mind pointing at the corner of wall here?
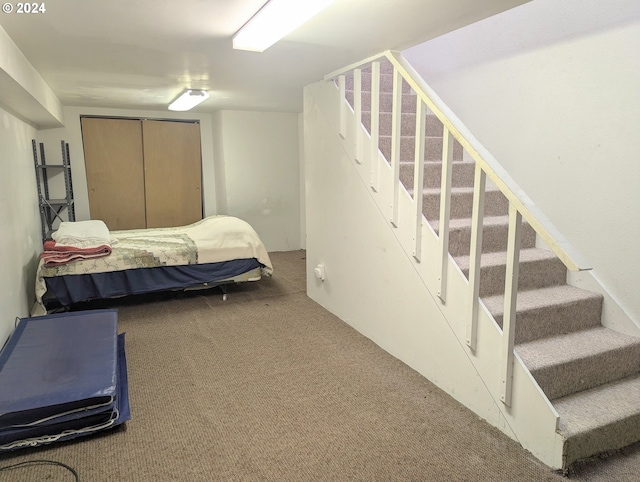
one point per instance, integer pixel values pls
(23, 91)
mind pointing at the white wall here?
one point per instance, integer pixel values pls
(261, 169)
(552, 90)
(20, 236)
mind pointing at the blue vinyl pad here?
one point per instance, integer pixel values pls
(62, 376)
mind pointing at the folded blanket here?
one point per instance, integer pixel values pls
(82, 234)
(56, 255)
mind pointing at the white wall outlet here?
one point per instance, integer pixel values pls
(318, 272)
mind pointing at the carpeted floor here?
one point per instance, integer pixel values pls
(269, 386)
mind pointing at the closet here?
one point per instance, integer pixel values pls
(143, 173)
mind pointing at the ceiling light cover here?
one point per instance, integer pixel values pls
(275, 20)
(189, 99)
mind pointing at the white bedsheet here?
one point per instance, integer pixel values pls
(82, 234)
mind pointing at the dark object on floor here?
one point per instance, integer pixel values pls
(62, 376)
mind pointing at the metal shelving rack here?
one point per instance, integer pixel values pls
(52, 208)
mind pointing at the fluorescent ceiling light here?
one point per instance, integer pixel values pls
(273, 21)
(189, 99)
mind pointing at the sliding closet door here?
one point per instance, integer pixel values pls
(115, 172)
(173, 173)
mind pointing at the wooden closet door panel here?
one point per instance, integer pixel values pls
(115, 171)
(173, 173)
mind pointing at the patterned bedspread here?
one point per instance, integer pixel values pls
(214, 239)
(141, 250)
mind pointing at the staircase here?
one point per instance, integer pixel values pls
(590, 374)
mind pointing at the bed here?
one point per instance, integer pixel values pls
(216, 251)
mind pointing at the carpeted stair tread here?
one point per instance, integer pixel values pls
(600, 419)
(466, 222)
(430, 191)
(462, 202)
(539, 268)
(549, 311)
(540, 298)
(603, 405)
(433, 127)
(385, 101)
(494, 234)
(565, 348)
(488, 221)
(577, 361)
(462, 175)
(500, 258)
(432, 148)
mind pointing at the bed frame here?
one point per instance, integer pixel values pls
(65, 291)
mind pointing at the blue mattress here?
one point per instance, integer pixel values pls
(62, 376)
(70, 289)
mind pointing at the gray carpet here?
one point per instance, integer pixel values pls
(270, 386)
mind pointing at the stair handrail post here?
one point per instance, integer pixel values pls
(510, 298)
(475, 255)
(418, 178)
(343, 107)
(396, 118)
(375, 125)
(445, 212)
(357, 110)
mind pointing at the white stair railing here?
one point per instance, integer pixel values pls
(521, 207)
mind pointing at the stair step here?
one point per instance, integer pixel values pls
(495, 204)
(550, 311)
(462, 174)
(580, 360)
(599, 420)
(432, 149)
(539, 268)
(494, 235)
(433, 126)
(409, 101)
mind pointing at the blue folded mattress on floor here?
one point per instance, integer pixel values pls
(62, 376)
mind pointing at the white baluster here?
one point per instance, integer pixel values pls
(475, 254)
(343, 106)
(445, 211)
(418, 177)
(375, 124)
(357, 109)
(510, 297)
(396, 114)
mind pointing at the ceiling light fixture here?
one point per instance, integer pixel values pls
(189, 99)
(273, 21)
